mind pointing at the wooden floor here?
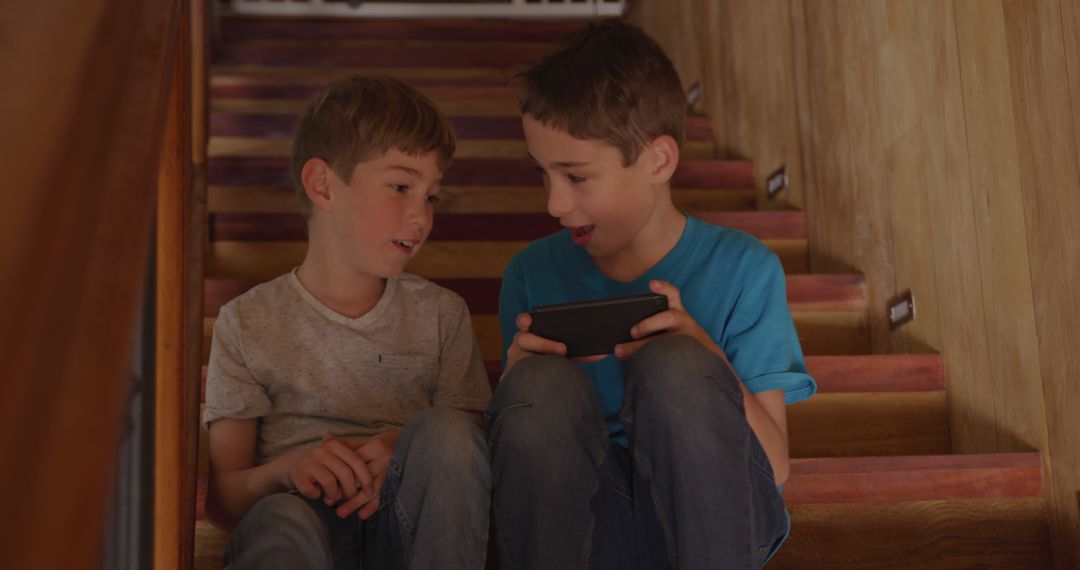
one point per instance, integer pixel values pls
(873, 484)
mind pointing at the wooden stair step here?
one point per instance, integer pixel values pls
(299, 86)
(947, 511)
(928, 535)
(863, 373)
(236, 28)
(698, 128)
(468, 199)
(481, 76)
(869, 424)
(437, 259)
(483, 227)
(820, 333)
(368, 53)
(903, 423)
(466, 148)
(274, 171)
(810, 292)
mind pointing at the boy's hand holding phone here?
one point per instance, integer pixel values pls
(585, 331)
(674, 321)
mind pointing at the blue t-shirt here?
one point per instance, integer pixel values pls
(730, 283)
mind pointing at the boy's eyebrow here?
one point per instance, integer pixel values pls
(412, 171)
(559, 164)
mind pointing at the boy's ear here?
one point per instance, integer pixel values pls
(316, 176)
(663, 155)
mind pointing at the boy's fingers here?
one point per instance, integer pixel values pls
(326, 481)
(372, 506)
(376, 448)
(658, 322)
(524, 321)
(532, 343)
(348, 455)
(342, 472)
(627, 349)
(378, 466)
(307, 487)
(674, 298)
(359, 500)
(369, 509)
(586, 359)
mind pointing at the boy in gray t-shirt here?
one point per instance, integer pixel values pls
(343, 399)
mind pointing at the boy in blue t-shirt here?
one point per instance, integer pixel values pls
(670, 452)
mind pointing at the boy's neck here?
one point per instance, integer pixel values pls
(656, 239)
(333, 284)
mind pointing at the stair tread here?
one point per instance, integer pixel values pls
(467, 199)
(275, 171)
(437, 260)
(804, 292)
(365, 53)
(698, 128)
(482, 226)
(236, 27)
(892, 479)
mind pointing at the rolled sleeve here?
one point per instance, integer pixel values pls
(231, 389)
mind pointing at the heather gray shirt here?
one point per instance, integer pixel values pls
(304, 370)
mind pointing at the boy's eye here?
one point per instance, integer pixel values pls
(433, 199)
(575, 179)
(399, 187)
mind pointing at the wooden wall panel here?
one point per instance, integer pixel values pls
(740, 52)
(1008, 359)
(672, 24)
(1050, 182)
(940, 144)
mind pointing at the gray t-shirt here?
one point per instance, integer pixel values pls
(304, 370)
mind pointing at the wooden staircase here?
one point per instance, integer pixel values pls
(873, 484)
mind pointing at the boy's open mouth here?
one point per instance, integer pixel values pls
(582, 234)
(405, 245)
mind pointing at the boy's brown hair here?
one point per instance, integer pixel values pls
(610, 82)
(358, 117)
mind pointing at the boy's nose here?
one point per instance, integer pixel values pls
(558, 203)
(419, 216)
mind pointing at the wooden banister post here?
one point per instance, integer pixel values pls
(179, 316)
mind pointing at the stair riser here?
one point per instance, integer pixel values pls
(467, 199)
(498, 30)
(377, 54)
(275, 171)
(281, 126)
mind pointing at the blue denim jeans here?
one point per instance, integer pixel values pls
(694, 490)
(434, 510)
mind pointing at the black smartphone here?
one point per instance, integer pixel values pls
(590, 328)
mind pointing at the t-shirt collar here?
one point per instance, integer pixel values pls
(359, 322)
(663, 268)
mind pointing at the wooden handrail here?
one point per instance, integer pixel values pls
(82, 122)
(180, 223)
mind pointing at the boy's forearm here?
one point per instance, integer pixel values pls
(238, 491)
(773, 440)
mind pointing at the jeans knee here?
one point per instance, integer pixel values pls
(285, 513)
(680, 375)
(446, 439)
(544, 403)
(540, 378)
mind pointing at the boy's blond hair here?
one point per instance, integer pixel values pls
(358, 117)
(610, 82)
